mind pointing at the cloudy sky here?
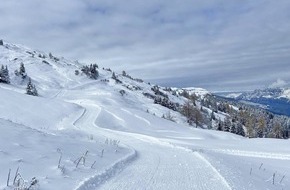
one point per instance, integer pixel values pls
(215, 44)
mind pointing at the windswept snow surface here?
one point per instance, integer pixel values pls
(173, 156)
(129, 145)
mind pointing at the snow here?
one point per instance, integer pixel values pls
(197, 91)
(233, 95)
(140, 149)
(286, 94)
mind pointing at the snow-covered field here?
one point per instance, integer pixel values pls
(86, 135)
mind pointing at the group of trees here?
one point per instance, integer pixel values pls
(221, 114)
(5, 78)
(124, 74)
(157, 91)
(53, 57)
(261, 123)
(165, 102)
(245, 120)
(116, 78)
(90, 70)
(192, 113)
(21, 72)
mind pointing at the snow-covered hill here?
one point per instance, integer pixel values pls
(117, 133)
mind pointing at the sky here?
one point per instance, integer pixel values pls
(219, 45)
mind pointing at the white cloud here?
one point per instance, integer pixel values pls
(278, 84)
(194, 42)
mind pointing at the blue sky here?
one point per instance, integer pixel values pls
(215, 44)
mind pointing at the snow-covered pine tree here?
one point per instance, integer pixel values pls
(50, 55)
(227, 124)
(94, 74)
(233, 128)
(34, 91)
(22, 71)
(4, 74)
(240, 129)
(1, 43)
(114, 76)
(31, 89)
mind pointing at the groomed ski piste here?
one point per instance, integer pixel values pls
(82, 134)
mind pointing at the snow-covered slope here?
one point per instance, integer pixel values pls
(103, 134)
(198, 91)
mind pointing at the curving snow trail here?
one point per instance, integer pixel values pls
(159, 165)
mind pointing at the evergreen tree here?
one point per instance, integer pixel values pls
(94, 74)
(114, 76)
(227, 124)
(22, 71)
(90, 70)
(185, 94)
(220, 126)
(50, 55)
(1, 43)
(233, 128)
(31, 89)
(34, 91)
(4, 75)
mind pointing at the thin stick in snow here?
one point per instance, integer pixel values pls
(8, 177)
(60, 157)
(83, 158)
(282, 179)
(261, 166)
(16, 174)
(59, 161)
(274, 178)
(251, 171)
(93, 164)
(79, 161)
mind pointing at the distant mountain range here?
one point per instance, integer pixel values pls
(276, 100)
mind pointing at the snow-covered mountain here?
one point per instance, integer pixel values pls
(271, 93)
(91, 128)
(276, 100)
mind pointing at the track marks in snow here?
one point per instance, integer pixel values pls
(159, 164)
(211, 167)
(115, 116)
(269, 155)
(100, 178)
(137, 116)
(81, 116)
(163, 167)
